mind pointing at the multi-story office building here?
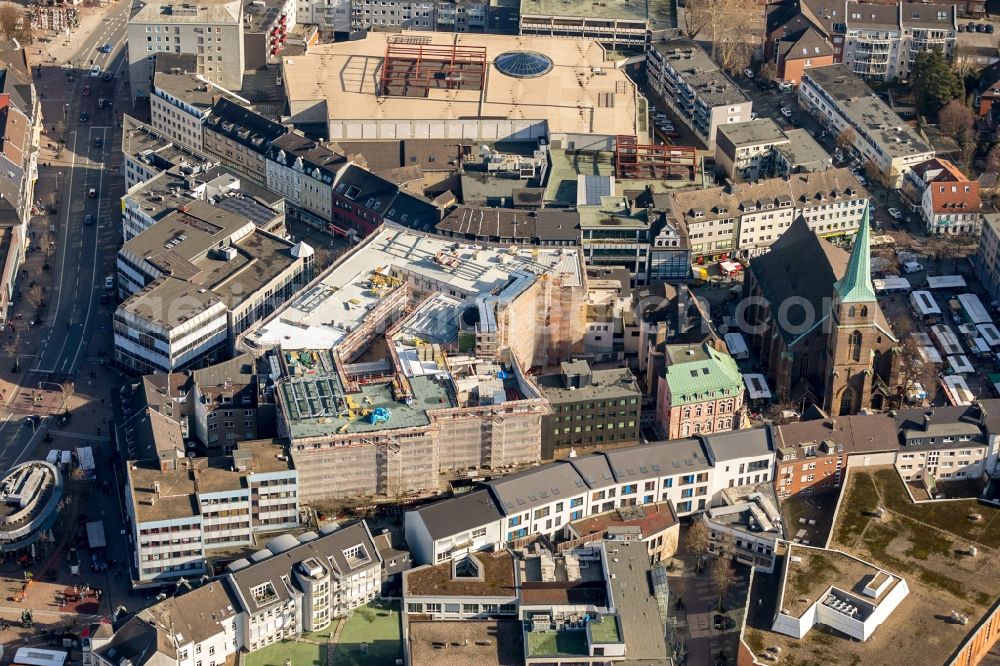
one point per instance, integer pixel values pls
(612, 234)
(746, 525)
(883, 40)
(689, 473)
(750, 151)
(745, 219)
(686, 78)
(239, 138)
(987, 258)
(179, 102)
(147, 152)
(701, 392)
(589, 407)
(211, 30)
(947, 199)
(197, 279)
(180, 509)
(616, 24)
(840, 100)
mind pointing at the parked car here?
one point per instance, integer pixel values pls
(753, 115)
(971, 26)
(989, 28)
(981, 27)
(896, 213)
(748, 73)
(961, 28)
(98, 142)
(109, 282)
(912, 267)
(785, 86)
(786, 112)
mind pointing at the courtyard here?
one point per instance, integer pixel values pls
(371, 636)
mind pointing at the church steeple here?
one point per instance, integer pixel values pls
(856, 284)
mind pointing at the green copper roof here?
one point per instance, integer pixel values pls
(709, 374)
(856, 284)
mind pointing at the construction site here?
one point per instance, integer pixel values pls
(410, 357)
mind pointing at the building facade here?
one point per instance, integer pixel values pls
(947, 200)
(589, 407)
(211, 31)
(239, 138)
(883, 40)
(701, 392)
(746, 219)
(840, 100)
(683, 75)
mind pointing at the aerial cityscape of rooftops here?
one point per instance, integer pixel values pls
(500, 332)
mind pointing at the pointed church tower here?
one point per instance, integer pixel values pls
(852, 337)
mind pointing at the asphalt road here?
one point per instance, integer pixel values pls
(84, 254)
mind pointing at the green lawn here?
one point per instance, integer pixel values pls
(380, 628)
(300, 654)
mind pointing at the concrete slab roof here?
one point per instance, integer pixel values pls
(345, 77)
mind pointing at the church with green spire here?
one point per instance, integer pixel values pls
(816, 325)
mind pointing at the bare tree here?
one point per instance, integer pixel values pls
(955, 119)
(964, 60)
(10, 19)
(36, 296)
(723, 576)
(697, 540)
(967, 142)
(846, 139)
(993, 159)
(729, 26)
(769, 71)
(914, 372)
(11, 346)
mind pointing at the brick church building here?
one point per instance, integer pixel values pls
(816, 325)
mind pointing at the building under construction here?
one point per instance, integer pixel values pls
(407, 359)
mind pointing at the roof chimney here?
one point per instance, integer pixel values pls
(927, 420)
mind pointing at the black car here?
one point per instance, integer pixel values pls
(989, 28)
(84, 117)
(98, 142)
(88, 220)
(108, 76)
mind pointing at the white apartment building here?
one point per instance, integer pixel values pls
(840, 100)
(291, 586)
(179, 101)
(946, 443)
(181, 310)
(690, 473)
(194, 505)
(297, 585)
(199, 627)
(148, 152)
(210, 30)
(882, 41)
(686, 78)
(746, 218)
